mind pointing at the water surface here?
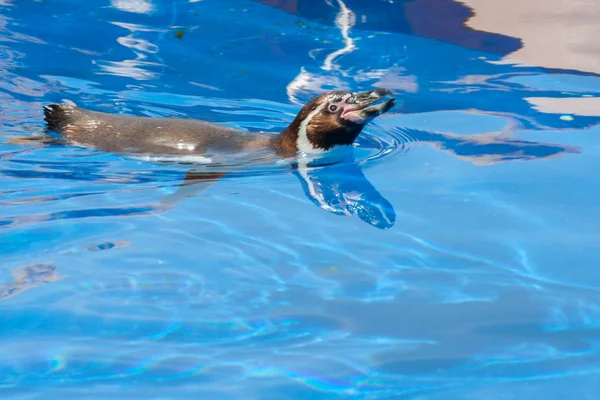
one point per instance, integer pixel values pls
(454, 258)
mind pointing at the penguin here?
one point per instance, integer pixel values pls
(331, 120)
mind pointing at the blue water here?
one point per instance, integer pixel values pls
(456, 258)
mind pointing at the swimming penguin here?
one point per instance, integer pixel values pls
(330, 120)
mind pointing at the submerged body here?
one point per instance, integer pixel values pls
(330, 120)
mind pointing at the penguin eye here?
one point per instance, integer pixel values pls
(333, 108)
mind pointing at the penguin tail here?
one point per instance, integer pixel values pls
(58, 117)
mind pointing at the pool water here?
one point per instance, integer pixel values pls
(454, 257)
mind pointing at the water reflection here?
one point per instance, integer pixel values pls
(139, 68)
(442, 20)
(27, 277)
(488, 148)
(340, 188)
(343, 189)
(567, 107)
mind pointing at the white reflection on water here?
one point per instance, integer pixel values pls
(138, 68)
(305, 80)
(345, 20)
(134, 6)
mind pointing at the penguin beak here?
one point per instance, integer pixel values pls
(358, 104)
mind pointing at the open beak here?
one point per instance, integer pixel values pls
(370, 104)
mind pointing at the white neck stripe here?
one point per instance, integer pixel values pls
(302, 143)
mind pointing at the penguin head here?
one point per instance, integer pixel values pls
(336, 118)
